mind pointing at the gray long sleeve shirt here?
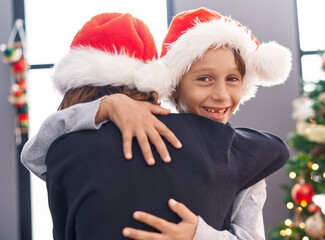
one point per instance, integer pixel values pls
(247, 217)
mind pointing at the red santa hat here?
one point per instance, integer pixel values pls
(107, 50)
(193, 32)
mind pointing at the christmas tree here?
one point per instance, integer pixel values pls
(305, 195)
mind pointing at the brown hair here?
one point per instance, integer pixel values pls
(91, 93)
(239, 61)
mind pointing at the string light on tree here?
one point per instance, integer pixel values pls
(288, 231)
(290, 205)
(303, 203)
(292, 175)
(302, 225)
(288, 222)
(283, 233)
(315, 167)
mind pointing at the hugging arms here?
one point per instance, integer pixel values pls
(246, 218)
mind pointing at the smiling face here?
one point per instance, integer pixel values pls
(212, 86)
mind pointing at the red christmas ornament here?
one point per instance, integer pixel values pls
(302, 192)
(312, 208)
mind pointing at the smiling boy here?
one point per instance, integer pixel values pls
(212, 86)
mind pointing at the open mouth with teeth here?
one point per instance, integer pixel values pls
(216, 111)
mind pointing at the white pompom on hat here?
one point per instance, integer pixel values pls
(193, 32)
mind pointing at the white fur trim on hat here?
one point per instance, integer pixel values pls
(155, 76)
(266, 65)
(88, 66)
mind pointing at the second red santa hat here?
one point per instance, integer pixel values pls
(107, 50)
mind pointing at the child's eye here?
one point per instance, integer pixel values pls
(233, 79)
(203, 79)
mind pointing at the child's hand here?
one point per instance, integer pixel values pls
(136, 119)
(184, 230)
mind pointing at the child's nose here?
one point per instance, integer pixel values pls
(219, 92)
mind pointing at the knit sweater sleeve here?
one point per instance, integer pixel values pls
(247, 217)
(75, 118)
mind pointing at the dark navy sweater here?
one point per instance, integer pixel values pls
(93, 190)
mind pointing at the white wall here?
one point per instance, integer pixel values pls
(271, 109)
(8, 160)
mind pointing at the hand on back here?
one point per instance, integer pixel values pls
(136, 119)
(184, 230)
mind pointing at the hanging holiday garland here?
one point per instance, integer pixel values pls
(13, 53)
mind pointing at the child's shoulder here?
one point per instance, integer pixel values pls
(263, 140)
(254, 134)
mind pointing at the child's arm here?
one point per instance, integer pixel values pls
(77, 117)
(247, 217)
(134, 118)
(247, 221)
